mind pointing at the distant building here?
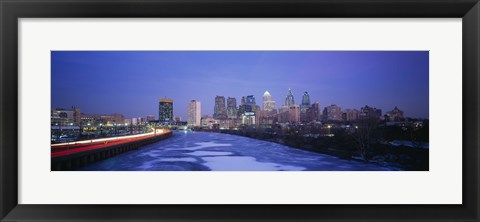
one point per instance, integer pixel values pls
(351, 115)
(150, 118)
(304, 107)
(370, 112)
(177, 118)
(250, 106)
(71, 116)
(241, 108)
(194, 113)
(294, 114)
(332, 113)
(268, 103)
(266, 117)
(165, 110)
(283, 114)
(395, 115)
(104, 119)
(220, 112)
(289, 100)
(232, 108)
(314, 113)
(208, 122)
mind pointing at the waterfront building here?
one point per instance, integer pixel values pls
(208, 122)
(165, 110)
(219, 110)
(268, 103)
(105, 119)
(248, 120)
(232, 108)
(370, 112)
(194, 113)
(332, 113)
(289, 100)
(61, 116)
(395, 115)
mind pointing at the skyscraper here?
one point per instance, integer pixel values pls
(250, 105)
(268, 103)
(220, 112)
(241, 108)
(289, 101)
(304, 107)
(194, 113)
(165, 110)
(231, 108)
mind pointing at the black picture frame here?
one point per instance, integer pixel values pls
(12, 10)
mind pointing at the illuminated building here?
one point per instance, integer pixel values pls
(304, 107)
(268, 103)
(150, 118)
(351, 114)
(395, 115)
(250, 106)
(194, 113)
(241, 108)
(314, 113)
(165, 110)
(289, 100)
(220, 111)
(66, 116)
(370, 112)
(232, 108)
(332, 113)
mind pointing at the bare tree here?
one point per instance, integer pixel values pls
(365, 134)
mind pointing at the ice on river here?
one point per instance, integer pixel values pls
(194, 151)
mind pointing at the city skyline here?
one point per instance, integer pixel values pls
(383, 79)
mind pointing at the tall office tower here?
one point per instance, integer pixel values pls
(314, 113)
(219, 111)
(241, 108)
(250, 105)
(304, 107)
(268, 103)
(305, 102)
(231, 108)
(165, 110)
(194, 113)
(289, 101)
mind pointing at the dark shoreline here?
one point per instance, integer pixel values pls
(403, 157)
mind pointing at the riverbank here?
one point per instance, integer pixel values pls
(340, 146)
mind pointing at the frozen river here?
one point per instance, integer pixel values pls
(215, 151)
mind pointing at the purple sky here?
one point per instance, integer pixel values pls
(132, 82)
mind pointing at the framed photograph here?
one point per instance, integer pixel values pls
(207, 110)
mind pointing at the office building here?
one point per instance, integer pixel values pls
(194, 113)
(165, 110)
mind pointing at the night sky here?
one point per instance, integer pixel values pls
(132, 82)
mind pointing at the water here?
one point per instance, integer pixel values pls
(193, 151)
